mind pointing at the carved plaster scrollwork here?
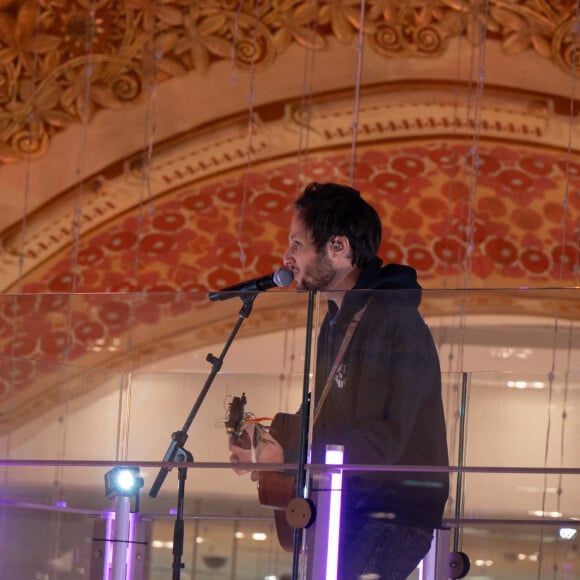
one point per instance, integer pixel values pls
(61, 61)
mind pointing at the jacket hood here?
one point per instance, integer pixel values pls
(390, 277)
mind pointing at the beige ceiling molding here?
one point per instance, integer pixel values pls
(392, 112)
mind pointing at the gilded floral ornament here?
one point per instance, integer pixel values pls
(63, 60)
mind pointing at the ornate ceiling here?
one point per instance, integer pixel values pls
(157, 146)
(62, 61)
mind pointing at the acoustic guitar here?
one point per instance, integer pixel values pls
(276, 489)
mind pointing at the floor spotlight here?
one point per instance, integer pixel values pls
(123, 482)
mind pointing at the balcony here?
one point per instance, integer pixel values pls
(93, 381)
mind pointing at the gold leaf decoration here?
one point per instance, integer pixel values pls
(54, 40)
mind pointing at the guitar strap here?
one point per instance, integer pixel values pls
(339, 356)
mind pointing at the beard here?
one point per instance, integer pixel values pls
(317, 275)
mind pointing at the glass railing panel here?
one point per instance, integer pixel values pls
(41, 540)
(70, 532)
(520, 549)
(521, 431)
(257, 392)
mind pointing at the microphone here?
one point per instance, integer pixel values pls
(282, 277)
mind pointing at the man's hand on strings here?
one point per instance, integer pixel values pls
(263, 448)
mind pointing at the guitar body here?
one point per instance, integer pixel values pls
(284, 531)
(276, 489)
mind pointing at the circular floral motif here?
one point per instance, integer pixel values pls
(420, 258)
(535, 261)
(449, 250)
(64, 282)
(232, 256)
(18, 305)
(169, 222)
(54, 343)
(220, 278)
(115, 315)
(484, 163)
(410, 166)
(569, 168)
(232, 193)
(90, 256)
(536, 166)
(389, 183)
(157, 243)
(121, 241)
(514, 180)
(21, 345)
(17, 370)
(501, 251)
(270, 202)
(318, 170)
(392, 252)
(89, 331)
(198, 201)
(565, 255)
(444, 158)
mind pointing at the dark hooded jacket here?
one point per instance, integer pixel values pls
(385, 405)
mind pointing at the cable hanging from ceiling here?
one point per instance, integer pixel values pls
(304, 114)
(357, 88)
(251, 120)
(552, 375)
(455, 355)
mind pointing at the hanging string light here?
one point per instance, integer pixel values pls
(556, 328)
(251, 97)
(305, 111)
(151, 58)
(359, 62)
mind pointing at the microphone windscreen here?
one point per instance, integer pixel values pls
(283, 277)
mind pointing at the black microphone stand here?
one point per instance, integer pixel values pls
(176, 451)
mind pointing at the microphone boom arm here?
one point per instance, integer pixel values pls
(180, 437)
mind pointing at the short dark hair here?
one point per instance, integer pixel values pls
(330, 209)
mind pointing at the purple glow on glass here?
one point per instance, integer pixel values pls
(334, 456)
(60, 503)
(133, 518)
(108, 557)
